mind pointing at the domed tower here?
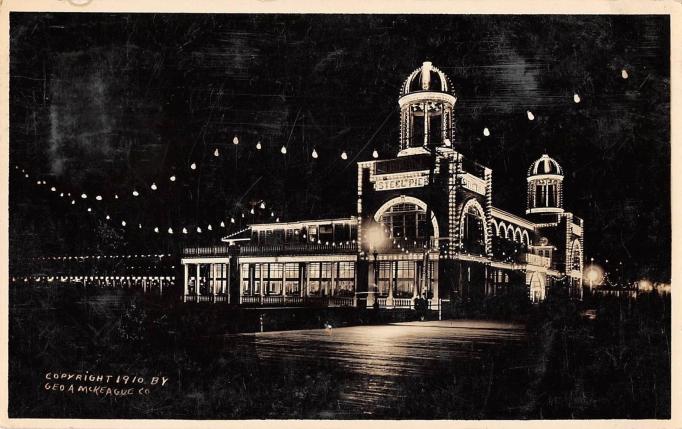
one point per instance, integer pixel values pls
(426, 107)
(545, 186)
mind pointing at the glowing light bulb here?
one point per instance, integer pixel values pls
(624, 74)
(73, 202)
(252, 211)
(277, 220)
(530, 115)
(108, 217)
(216, 152)
(184, 230)
(314, 154)
(172, 178)
(135, 193)
(262, 204)
(156, 229)
(123, 223)
(154, 187)
(193, 166)
(61, 195)
(222, 224)
(89, 209)
(98, 198)
(116, 196)
(283, 150)
(210, 228)
(576, 98)
(375, 154)
(199, 229)
(84, 196)
(53, 189)
(344, 156)
(170, 230)
(486, 132)
(272, 214)
(447, 142)
(235, 140)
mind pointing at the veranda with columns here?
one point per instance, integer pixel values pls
(206, 279)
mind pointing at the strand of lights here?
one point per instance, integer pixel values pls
(261, 204)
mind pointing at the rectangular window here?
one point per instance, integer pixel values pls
(345, 279)
(246, 285)
(405, 279)
(221, 274)
(274, 282)
(398, 225)
(312, 233)
(385, 278)
(433, 278)
(435, 131)
(293, 284)
(326, 233)
(421, 225)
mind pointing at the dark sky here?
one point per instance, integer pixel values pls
(107, 103)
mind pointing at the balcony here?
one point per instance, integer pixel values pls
(533, 259)
(400, 245)
(218, 250)
(297, 249)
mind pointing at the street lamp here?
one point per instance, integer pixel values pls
(375, 238)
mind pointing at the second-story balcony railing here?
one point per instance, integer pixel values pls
(218, 250)
(297, 248)
(533, 259)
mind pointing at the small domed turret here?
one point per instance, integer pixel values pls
(545, 186)
(426, 110)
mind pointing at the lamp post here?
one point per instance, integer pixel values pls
(375, 238)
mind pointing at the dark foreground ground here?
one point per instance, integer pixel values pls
(550, 363)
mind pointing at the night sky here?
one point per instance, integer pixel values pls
(105, 104)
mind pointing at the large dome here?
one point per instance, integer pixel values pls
(545, 165)
(426, 78)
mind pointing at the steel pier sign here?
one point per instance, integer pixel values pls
(414, 179)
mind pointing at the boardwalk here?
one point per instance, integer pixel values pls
(406, 369)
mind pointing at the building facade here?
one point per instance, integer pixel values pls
(424, 226)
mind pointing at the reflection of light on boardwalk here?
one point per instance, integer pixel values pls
(378, 358)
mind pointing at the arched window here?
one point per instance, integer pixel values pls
(405, 220)
(473, 233)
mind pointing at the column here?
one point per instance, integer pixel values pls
(335, 267)
(262, 285)
(186, 285)
(372, 283)
(226, 289)
(301, 275)
(391, 280)
(212, 278)
(240, 282)
(284, 282)
(197, 282)
(307, 278)
(416, 279)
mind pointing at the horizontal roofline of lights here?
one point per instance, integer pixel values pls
(512, 218)
(426, 95)
(545, 210)
(545, 176)
(283, 225)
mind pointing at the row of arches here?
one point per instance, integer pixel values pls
(511, 232)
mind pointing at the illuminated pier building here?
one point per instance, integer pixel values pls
(424, 226)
